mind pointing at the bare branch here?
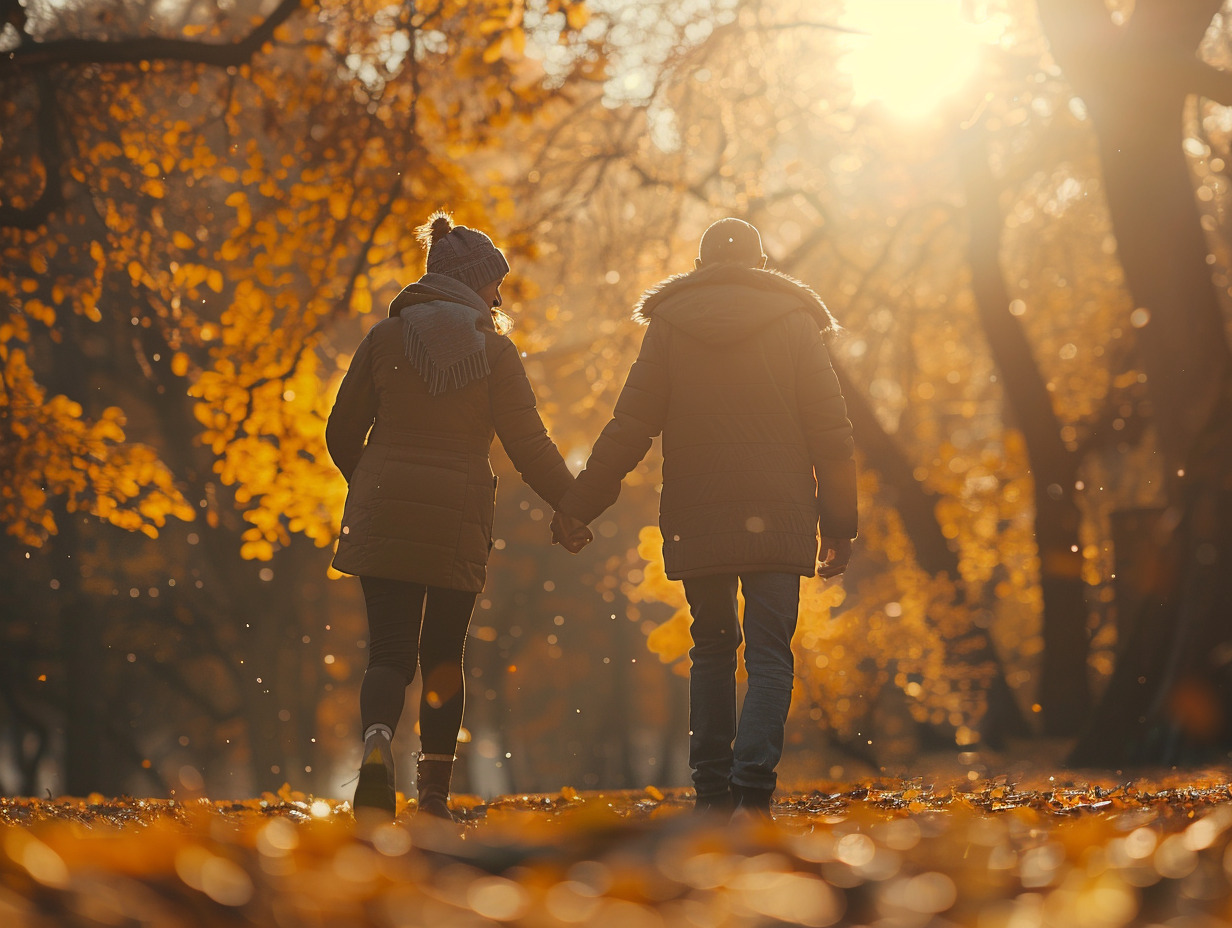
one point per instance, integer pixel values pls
(149, 48)
(1171, 24)
(1076, 27)
(916, 504)
(361, 257)
(1212, 83)
(814, 24)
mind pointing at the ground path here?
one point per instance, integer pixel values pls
(1057, 850)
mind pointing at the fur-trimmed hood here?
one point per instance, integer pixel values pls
(726, 302)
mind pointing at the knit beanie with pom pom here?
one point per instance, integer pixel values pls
(466, 255)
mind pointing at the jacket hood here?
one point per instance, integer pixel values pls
(726, 302)
(433, 287)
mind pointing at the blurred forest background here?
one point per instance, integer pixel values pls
(1018, 209)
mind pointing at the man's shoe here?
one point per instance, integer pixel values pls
(752, 803)
(714, 803)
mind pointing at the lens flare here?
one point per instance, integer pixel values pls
(914, 53)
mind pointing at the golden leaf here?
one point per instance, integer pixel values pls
(577, 14)
(493, 52)
(339, 205)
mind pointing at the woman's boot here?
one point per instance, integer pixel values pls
(432, 779)
(375, 793)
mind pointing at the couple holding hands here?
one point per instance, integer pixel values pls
(759, 489)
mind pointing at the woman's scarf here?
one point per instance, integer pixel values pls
(444, 343)
(443, 321)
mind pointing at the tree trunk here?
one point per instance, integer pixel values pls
(1146, 569)
(1063, 691)
(90, 761)
(1135, 82)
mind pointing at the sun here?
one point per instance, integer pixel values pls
(914, 53)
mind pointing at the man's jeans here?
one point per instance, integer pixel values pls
(771, 602)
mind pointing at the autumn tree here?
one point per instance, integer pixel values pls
(1153, 78)
(196, 205)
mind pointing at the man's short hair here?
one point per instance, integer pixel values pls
(731, 241)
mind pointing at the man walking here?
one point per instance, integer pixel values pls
(757, 465)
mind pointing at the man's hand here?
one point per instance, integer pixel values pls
(570, 533)
(835, 553)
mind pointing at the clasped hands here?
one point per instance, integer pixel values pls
(570, 533)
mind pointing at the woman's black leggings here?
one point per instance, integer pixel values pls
(412, 625)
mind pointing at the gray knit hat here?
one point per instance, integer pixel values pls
(466, 255)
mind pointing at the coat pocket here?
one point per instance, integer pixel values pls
(372, 461)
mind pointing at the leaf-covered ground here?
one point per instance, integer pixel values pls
(892, 854)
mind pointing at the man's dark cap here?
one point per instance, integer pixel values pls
(731, 241)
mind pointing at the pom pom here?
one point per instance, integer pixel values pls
(439, 225)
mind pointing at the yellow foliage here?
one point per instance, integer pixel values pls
(241, 302)
(671, 640)
(339, 205)
(51, 462)
(260, 550)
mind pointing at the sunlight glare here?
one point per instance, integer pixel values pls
(915, 52)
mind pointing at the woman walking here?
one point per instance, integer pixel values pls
(411, 430)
